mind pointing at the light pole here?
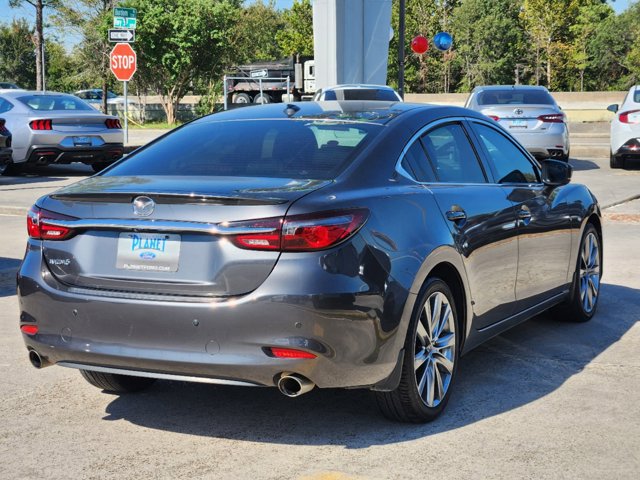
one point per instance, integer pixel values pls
(401, 28)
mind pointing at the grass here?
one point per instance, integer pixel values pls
(154, 125)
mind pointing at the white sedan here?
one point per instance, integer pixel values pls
(625, 129)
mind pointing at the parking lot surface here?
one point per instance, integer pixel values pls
(548, 399)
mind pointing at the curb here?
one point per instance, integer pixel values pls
(16, 211)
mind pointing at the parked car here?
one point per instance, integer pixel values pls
(59, 128)
(348, 244)
(357, 92)
(5, 147)
(94, 97)
(625, 129)
(9, 86)
(529, 113)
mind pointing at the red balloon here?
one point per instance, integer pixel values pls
(419, 45)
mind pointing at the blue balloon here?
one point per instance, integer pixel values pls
(443, 41)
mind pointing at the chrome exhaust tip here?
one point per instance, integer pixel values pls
(36, 360)
(294, 385)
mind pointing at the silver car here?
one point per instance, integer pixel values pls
(59, 128)
(529, 113)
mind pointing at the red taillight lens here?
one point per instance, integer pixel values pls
(38, 228)
(300, 232)
(29, 329)
(494, 117)
(113, 123)
(552, 118)
(290, 353)
(41, 125)
(632, 116)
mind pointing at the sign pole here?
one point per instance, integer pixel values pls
(126, 114)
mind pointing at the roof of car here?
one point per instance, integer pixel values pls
(378, 112)
(21, 93)
(357, 85)
(514, 87)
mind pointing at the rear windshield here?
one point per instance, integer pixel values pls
(361, 94)
(299, 149)
(54, 102)
(518, 96)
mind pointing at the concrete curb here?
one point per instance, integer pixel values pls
(16, 211)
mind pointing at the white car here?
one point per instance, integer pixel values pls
(625, 129)
(59, 128)
(357, 92)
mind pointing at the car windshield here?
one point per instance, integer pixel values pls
(515, 96)
(53, 102)
(361, 94)
(298, 149)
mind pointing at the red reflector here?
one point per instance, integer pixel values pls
(494, 117)
(290, 353)
(38, 228)
(29, 329)
(552, 118)
(41, 125)
(632, 116)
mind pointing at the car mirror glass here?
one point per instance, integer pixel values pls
(556, 172)
(613, 108)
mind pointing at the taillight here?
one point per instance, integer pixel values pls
(113, 123)
(41, 125)
(288, 353)
(494, 117)
(632, 116)
(29, 329)
(300, 232)
(2, 127)
(552, 118)
(38, 228)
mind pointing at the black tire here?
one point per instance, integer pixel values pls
(241, 98)
(99, 166)
(565, 156)
(615, 162)
(11, 169)
(262, 99)
(113, 383)
(405, 403)
(575, 309)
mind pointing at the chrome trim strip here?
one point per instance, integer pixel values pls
(155, 226)
(161, 376)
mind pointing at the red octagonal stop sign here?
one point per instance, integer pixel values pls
(123, 61)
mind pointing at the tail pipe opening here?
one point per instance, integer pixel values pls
(38, 361)
(294, 385)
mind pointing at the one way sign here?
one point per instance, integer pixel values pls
(122, 35)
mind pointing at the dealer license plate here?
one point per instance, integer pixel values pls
(148, 252)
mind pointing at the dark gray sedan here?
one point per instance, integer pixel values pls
(351, 244)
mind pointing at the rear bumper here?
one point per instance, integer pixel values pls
(45, 155)
(544, 144)
(219, 339)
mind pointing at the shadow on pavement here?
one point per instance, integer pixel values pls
(512, 370)
(8, 269)
(583, 164)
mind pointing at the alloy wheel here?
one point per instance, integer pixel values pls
(589, 272)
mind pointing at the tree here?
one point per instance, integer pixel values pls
(38, 38)
(181, 41)
(258, 25)
(296, 38)
(16, 54)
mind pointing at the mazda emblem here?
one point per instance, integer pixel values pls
(143, 206)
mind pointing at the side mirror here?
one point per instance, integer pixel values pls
(556, 173)
(613, 108)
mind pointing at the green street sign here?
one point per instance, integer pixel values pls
(125, 12)
(123, 22)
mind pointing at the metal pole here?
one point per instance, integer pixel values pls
(224, 79)
(261, 97)
(401, 28)
(44, 87)
(126, 115)
(288, 90)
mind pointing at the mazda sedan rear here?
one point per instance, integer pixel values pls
(344, 244)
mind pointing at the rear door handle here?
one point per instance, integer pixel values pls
(456, 215)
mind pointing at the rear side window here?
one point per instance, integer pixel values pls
(515, 96)
(416, 163)
(511, 165)
(299, 149)
(452, 155)
(5, 106)
(54, 102)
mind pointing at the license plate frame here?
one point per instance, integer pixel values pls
(518, 123)
(82, 141)
(148, 252)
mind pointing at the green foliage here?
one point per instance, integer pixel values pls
(296, 36)
(254, 34)
(17, 57)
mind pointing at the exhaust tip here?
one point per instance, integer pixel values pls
(35, 359)
(292, 385)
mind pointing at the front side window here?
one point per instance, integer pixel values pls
(452, 155)
(512, 166)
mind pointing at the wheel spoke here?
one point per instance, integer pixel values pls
(435, 315)
(447, 340)
(423, 335)
(444, 319)
(420, 358)
(439, 388)
(423, 379)
(430, 384)
(442, 360)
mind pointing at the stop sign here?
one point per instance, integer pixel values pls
(123, 61)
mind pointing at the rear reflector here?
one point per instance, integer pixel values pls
(300, 233)
(290, 353)
(29, 329)
(38, 228)
(631, 117)
(41, 125)
(113, 123)
(552, 118)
